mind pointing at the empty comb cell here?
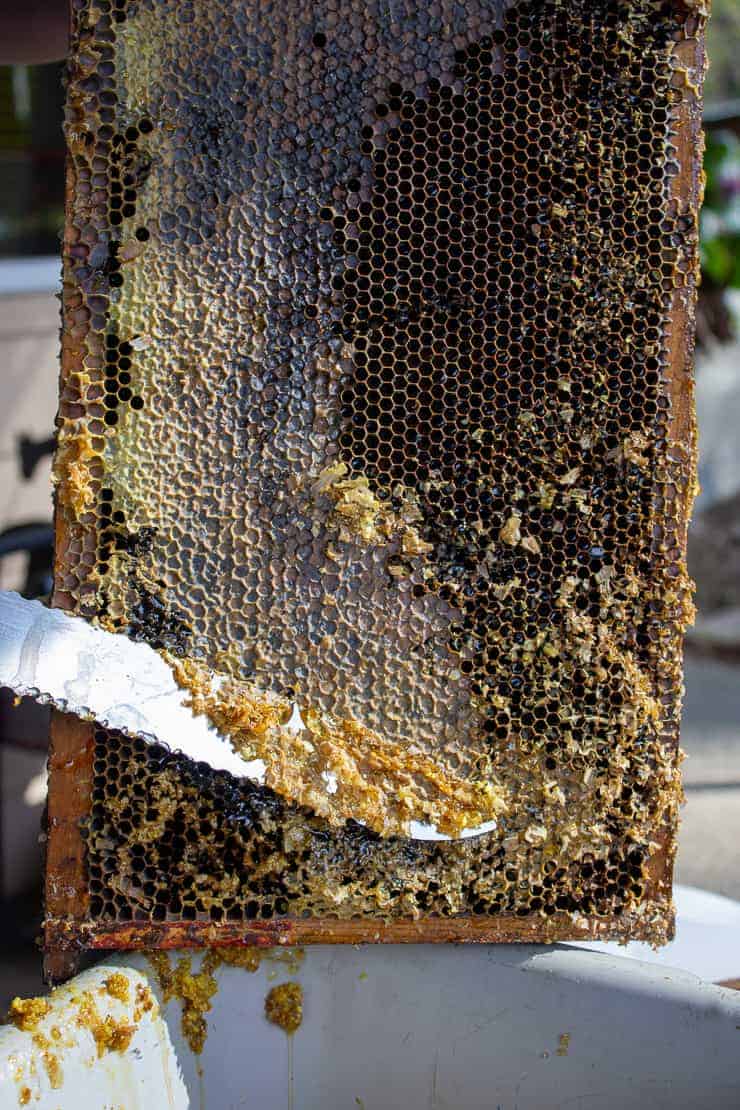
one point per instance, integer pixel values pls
(376, 399)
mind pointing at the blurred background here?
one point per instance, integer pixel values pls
(31, 216)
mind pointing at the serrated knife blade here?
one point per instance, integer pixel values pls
(61, 660)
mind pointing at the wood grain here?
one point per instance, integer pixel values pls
(71, 754)
(291, 931)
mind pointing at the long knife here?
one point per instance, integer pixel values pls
(59, 659)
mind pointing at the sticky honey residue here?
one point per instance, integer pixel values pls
(24, 1096)
(246, 957)
(118, 986)
(52, 1063)
(71, 471)
(195, 990)
(284, 1006)
(145, 1002)
(360, 513)
(152, 829)
(109, 1035)
(339, 768)
(511, 534)
(511, 531)
(26, 1013)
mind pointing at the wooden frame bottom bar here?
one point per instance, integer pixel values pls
(264, 934)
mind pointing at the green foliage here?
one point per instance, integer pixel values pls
(720, 218)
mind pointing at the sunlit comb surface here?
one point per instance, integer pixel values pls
(376, 397)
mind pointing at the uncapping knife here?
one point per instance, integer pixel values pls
(61, 660)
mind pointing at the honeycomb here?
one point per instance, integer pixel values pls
(375, 399)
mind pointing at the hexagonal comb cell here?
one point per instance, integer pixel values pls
(376, 396)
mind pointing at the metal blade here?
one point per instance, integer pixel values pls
(59, 659)
(62, 660)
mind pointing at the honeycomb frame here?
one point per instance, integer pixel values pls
(466, 247)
